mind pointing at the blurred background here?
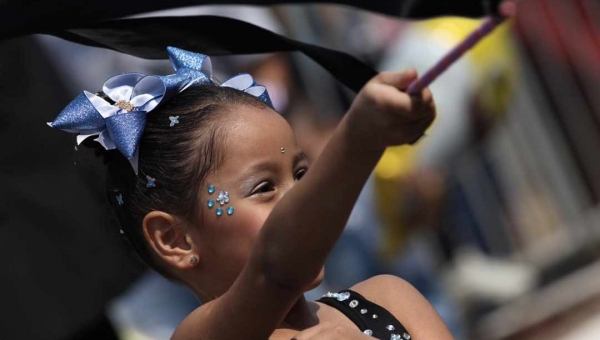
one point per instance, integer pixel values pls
(493, 215)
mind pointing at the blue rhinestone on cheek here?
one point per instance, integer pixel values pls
(211, 189)
(210, 203)
(219, 211)
(230, 211)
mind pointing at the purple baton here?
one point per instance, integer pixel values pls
(486, 28)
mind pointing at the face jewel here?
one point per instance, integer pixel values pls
(230, 211)
(174, 120)
(282, 150)
(390, 327)
(120, 199)
(343, 296)
(219, 211)
(150, 183)
(406, 336)
(223, 197)
(363, 311)
(211, 189)
(375, 316)
(368, 332)
(210, 203)
(395, 337)
(353, 303)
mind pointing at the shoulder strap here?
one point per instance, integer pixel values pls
(368, 316)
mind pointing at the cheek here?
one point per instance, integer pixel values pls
(234, 236)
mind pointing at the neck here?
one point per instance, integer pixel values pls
(301, 316)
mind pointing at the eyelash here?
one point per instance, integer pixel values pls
(300, 173)
(266, 186)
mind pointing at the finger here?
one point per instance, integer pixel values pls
(409, 107)
(422, 127)
(422, 100)
(397, 80)
(390, 99)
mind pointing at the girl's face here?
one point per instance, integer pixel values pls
(262, 162)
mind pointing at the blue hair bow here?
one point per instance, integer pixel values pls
(121, 125)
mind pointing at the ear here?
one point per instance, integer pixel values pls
(168, 238)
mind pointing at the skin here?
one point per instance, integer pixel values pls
(255, 265)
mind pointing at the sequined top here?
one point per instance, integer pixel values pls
(370, 318)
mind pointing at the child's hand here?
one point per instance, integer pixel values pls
(383, 113)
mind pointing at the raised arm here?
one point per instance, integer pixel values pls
(304, 226)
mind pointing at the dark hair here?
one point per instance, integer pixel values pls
(178, 157)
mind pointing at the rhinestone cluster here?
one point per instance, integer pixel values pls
(222, 198)
(125, 105)
(343, 296)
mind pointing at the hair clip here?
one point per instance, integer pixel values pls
(150, 183)
(120, 199)
(121, 125)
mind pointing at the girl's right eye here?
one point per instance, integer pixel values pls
(262, 188)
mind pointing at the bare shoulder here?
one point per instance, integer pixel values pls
(407, 304)
(384, 287)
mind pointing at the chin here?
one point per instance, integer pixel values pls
(317, 281)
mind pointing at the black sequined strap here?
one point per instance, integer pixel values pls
(369, 317)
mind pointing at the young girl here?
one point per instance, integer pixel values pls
(221, 199)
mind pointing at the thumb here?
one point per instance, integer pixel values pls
(397, 80)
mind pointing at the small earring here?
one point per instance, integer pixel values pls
(193, 259)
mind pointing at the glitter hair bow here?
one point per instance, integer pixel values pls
(121, 125)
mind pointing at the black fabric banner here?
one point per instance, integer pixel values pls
(20, 17)
(211, 35)
(94, 24)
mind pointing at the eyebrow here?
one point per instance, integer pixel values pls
(299, 157)
(267, 166)
(271, 166)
